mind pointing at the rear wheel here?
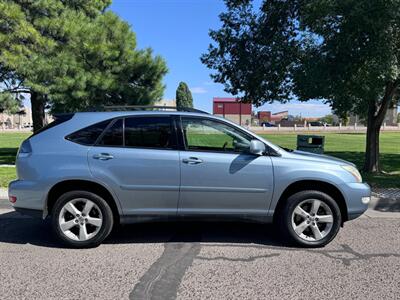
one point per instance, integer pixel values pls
(310, 219)
(82, 219)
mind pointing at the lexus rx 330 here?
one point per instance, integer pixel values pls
(88, 171)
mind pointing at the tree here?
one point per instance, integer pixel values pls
(70, 55)
(102, 56)
(345, 53)
(9, 102)
(328, 119)
(183, 96)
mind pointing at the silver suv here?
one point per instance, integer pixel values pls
(91, 170)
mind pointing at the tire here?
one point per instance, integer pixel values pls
(300, 227)
(81, 219)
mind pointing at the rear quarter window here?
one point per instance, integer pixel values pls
(58, 120)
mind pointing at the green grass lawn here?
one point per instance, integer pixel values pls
(6, 175)
(348, 146)
(9, 144)
(351, 147)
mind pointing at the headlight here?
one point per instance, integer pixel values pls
(353, 171)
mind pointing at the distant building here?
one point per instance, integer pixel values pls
(23, 119)
(19, 120)
(277, 117)
(390, 118)
(264, 116)
(311, 119)
(233, 110)
(267, 116)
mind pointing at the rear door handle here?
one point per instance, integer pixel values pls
(192, 161)
(103, 156)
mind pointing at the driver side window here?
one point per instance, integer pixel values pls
(209, 135)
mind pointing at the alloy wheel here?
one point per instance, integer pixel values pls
(80, 219)
(312, 220)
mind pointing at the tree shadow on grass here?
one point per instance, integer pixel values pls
(7, 155)
(350, 133)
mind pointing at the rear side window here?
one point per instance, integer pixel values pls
(149, 132)
(57, 120)
(88, 135)
(113, 135)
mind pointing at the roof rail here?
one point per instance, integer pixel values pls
(144, 107)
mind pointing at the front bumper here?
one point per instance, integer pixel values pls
(354, 194)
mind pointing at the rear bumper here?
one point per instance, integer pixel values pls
(30, 196)
(35, 213)
(354, 193)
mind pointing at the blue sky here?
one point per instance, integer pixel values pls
(178, 31)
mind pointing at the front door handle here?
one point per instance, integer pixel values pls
(192, 161)
(103, 156)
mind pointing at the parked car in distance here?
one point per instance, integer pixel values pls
(318, 124)
(267, 124)
(88, 171)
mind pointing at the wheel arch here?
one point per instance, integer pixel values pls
(84, 185)
(316, 185)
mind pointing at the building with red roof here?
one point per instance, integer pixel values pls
(233, 110)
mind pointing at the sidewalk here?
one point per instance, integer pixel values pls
(3, 194)
(386, 200)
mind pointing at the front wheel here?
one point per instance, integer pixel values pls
(81, 219)
(310, 219)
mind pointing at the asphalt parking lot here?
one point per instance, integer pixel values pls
(200, 260)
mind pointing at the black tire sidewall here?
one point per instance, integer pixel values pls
(291, 204)
(105, 211)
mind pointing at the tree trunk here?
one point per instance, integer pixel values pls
(376, 115)
(38, 116)
(372, 145)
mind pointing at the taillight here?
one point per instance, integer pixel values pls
(12, 199)
(25, 149)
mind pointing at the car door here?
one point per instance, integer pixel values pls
(138, 157)
(218, 175)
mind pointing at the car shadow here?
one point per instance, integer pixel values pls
(7, 155)
(25, 230)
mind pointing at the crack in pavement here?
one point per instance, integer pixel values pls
(354, 255)
(346, 255)
(248, 259)
(164, 277)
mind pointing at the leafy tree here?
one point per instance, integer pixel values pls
(327, 119)
(9, 102)
(344, 52)
(72, 54)
(183, 96)
(100, 66)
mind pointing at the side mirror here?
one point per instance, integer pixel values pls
(257, 147)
